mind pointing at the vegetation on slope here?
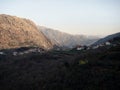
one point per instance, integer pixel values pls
(97, 69)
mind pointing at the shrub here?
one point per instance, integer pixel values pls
(82, 62)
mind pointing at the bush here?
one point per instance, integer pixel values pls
(82, 62)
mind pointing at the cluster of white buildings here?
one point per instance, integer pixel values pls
(93, 47)
(101, 45)
(32, 50)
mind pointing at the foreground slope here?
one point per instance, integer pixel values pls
(18, 32)
(97, 69)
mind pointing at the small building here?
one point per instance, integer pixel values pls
(1, 53)
(15, 53)
(95, 47)
(81, 47)
(107, 43)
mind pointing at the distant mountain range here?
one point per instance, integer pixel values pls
(17, 32)
(67, 40)
(114, 38)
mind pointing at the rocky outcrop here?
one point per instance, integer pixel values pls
(18, 32)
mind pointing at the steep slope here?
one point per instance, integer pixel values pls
(112, 38)
(17, 32)
(68, 40)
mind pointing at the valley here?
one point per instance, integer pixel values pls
(31, 59)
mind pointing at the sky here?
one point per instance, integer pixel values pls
(88, 17)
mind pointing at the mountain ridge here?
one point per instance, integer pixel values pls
(20, 32)
(107, 38)
(65, 39)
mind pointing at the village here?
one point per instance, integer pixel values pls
(22, 51)
(84, 47)
(25, 50)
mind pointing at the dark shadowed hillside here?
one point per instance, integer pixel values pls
(18, 32)
(68, 40)
(110, 38)
(97, 69)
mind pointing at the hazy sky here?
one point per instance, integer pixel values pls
(91, 17)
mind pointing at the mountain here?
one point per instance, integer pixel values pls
(111, 38)
(18, 32)
(67, 40)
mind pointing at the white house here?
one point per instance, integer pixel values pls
(15, 53)
(107, 43)
(95, 47)
(2, 53)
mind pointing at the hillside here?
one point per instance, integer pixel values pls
(68, 40)
(97, 69)
(110, 38)
(18, 32)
